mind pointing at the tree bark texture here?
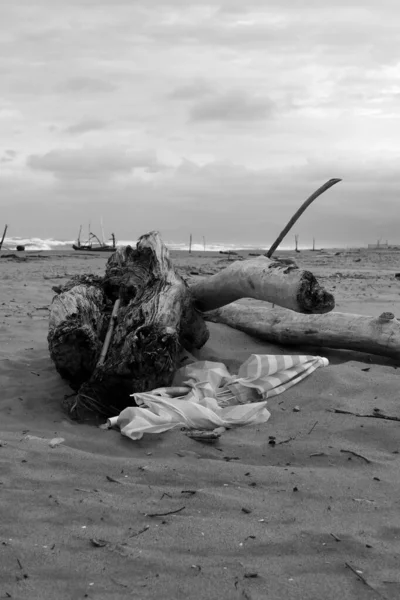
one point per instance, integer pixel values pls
(155, 321)
(263, 279)
(374, 335)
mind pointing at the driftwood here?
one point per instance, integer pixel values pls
(122, 333)
(156, 319)
(374, 335)
(263, 279)
(3, 236)
(298, 214)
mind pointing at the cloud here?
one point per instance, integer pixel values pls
(93, 163)
(232, 106)
(10, 114)
(77, 85)
(191, 91)
(85, 126)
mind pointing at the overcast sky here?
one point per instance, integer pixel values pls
(216, 118)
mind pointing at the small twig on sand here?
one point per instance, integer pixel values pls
(356, 454)
(335, 537)
(112, 479)
(284, 441)
(313, 427)
(298, 214)
(145, 528)
(376, 415)
(361, 578)
(164, 514)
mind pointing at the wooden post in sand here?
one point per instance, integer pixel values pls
(190, 244)
(204, 243)
(296, 241)
(4, 235)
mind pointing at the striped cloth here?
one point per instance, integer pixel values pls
(215, 398)
(260, 377)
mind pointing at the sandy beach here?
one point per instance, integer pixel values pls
(315, 516)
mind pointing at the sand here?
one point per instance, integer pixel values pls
(258, 521)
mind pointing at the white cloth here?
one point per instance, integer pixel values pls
(215, 398)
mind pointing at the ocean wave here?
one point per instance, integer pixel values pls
(40, 244)
(35, 243)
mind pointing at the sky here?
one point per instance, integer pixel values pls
(212, 118)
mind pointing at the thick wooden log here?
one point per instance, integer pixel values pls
(374, 335)
(263, 279)
(154, 320)
(76, 324)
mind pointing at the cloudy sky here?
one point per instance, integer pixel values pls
(217, 118)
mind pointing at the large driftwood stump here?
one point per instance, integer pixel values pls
(155, 321)
(122, 333)
(374, 335)
(263, 279)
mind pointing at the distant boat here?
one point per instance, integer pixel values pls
(97, 247)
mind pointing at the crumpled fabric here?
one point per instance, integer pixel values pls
(214, 397)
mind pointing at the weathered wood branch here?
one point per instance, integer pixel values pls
(374, 335)
(263, 279)
(298, 214)
(156, 320)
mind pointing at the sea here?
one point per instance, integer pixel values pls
(40, 244)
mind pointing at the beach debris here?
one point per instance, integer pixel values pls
(358, 573)
(110, 330)
(296, 409)
(376, 415)
(285, 441)
(164, 514)
(313, 427)
(335, 537)
(299, 212)
(136, 533)
(112, 480)
(250, 575)
(3, 236)
(346, 331)
(264, 279)
(207, 437)
(156, 318)
(98, 543)
(357, 455)
(56, 442)
(104, 332)
(246, 511)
